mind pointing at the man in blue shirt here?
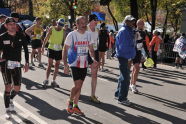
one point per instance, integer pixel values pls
(125, 51)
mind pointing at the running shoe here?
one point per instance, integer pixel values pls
(181, 68)
(77, 111)
(8, 114)
(94, 99)
(32, 63)
(125, 102)
(45, 82)
(70, 107)
(54, 84)
(41, 65)
(134, 89)
(11, 106)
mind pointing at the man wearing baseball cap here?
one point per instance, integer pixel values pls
(125, 51)
(15, 16)
(55, 37)
(11, 43)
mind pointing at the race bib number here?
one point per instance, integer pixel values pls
(38, 36)
(82, 50)
(13, 64)
(57, 47)
(5, 42)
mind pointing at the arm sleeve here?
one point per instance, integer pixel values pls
(25, 47)
(152, 41)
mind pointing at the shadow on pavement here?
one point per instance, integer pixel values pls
(172, 74)
(159, 114)
(32, 85)
(118, 112)
(168, 103)
(51, 112)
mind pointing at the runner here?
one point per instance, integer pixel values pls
(55, 36)
(77, 44)
(140, 44)
(11, 43)
(35, 32)
(103, 44)
(94, 69)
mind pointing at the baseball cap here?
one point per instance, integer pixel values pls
(14, 15)
(9, 19)
(2, 16)
(92, 17)
(61, 22)
(129, 18)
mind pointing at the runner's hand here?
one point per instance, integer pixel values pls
(26, 67)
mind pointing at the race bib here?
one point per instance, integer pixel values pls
(57, 47)
(38, 36)
(82, 50)
(13, 64)
(5, 42)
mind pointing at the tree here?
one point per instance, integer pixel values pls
(2, 4)
(134, 8)
(30, 8)
(107, 3)
(153, 4)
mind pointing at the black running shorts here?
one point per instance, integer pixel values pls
(137, 58)
(11, 76)
(96, 53)
(36, 44)
(79, 73)
(56, 55)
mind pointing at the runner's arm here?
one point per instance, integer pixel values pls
(29, 30)
(47, 37)
(91, 51)
(64, 54)
(25, 47)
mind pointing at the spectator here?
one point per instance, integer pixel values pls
(125, 51)
(155, 46)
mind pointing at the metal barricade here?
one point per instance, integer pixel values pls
(167, 51)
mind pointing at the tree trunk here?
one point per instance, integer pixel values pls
(165, 23)
(2, 4)
(30, 3)
(113, 18)
(134, 8)
(153, 4)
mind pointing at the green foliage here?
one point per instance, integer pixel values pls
(121, 9)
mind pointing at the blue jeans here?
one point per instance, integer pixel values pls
(124, 80)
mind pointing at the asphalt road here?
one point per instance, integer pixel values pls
(162, 98)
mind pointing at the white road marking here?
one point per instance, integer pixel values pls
(27, 112)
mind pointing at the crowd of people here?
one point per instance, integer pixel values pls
(79, 48)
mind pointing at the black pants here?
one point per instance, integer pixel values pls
(154, 57)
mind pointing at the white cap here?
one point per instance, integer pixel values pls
(128, 18)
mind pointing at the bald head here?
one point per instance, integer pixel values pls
(140, 24)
